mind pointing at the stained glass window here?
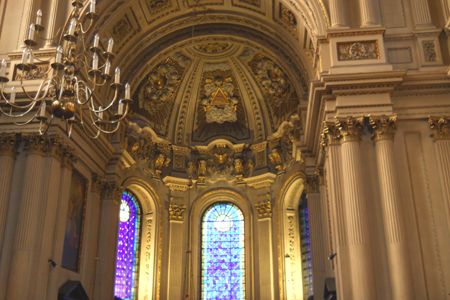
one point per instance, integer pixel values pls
(128, 248)
(305, 240)
(223, 253)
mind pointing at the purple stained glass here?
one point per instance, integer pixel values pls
(128, 248)
(223, 253)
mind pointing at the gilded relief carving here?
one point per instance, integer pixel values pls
(358, 50)
(212, 47)
(41, 72)
(176, 212)
(264, 210)
(121, 29)
(220, 110)
(382, 127)
(156, 6)
(440, 127)
(149, 156)
(281, 99)
(288, 17)
(429, 49)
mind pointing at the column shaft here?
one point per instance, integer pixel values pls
(442, 148)
(27, 19)
(326, 227)
(317, 247)
(367, 13)
(107, 248)
(338, 219)
(7, 168)
(337, 14)
(396, 240)
(363, 278)
(51, 25)
(175, 286)
(25, 241)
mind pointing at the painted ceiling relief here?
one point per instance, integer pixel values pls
(213, 47)
(220, 109)
(156, 93)
(280, 96)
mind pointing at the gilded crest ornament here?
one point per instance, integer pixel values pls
(219, 102)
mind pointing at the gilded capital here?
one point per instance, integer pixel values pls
(320, 175)
(176, 212)
(35, 144)
(68, 155)
(9, 142)
(98, 184)
(440, 127)
(264, 210)
(350, 128)
(311, 185)
(331, 134)
(113, 191)
(382, 127)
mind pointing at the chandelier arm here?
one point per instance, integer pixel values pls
(11, 115)
(106, 108)
(115, 121)
(89, 27)
(14, 105)
(52, 38)
(107, 131)
(29, 121)
(36, 97)
(61, 36)
(84, 129)
(48, 126)
(78, 88)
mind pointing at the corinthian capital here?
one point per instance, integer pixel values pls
(9, 142)
(320, 175)
(350, 128)
(440, 127)
(35, 144)
(331, 134)
(176, 212)
(98, 184)
(311, 185)
(264, 210)
(113, 191)
(382, 127)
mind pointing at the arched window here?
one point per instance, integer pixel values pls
(128, 248)
(223, 253)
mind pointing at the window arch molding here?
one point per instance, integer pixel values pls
(151, 223)
(288, 216)
(199, 207)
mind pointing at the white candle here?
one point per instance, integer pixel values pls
(107, 67)
(127, 91)
(43, 106)
(100, 114)
(117, 75)
(95, 61)
(110, 45)
(3, 70)
(120, 112)
(24, 56)
(58, 54)
(92, 6)
(96, 40)
(39, 17)
(13, 95)
(72, 26)
(31, 32)
(31, 56)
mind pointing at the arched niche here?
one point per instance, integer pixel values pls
(151, 238)
(288, 232)
(199, 207)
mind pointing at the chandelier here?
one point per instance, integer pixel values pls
(77, 76)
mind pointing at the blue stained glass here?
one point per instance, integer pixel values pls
(223, 255)
(127, 248)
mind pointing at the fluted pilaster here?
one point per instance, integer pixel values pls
(107, 242)
(331, 138)
(441, 134)
(366, 8)
(383, 128)
(337, 14)
(8, 149)
(51, 25)
(27, 19)
(317, 246)
(421, 13)
(363, 278)
(176, 217)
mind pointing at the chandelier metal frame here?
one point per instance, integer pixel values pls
(66, 89)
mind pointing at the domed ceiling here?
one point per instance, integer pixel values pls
(215, 87)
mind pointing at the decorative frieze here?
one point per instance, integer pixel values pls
(382, 127)
(358, 50)
(176, 212)
(440, 127)
(9, 142)
(350, 128)
(264, 210)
